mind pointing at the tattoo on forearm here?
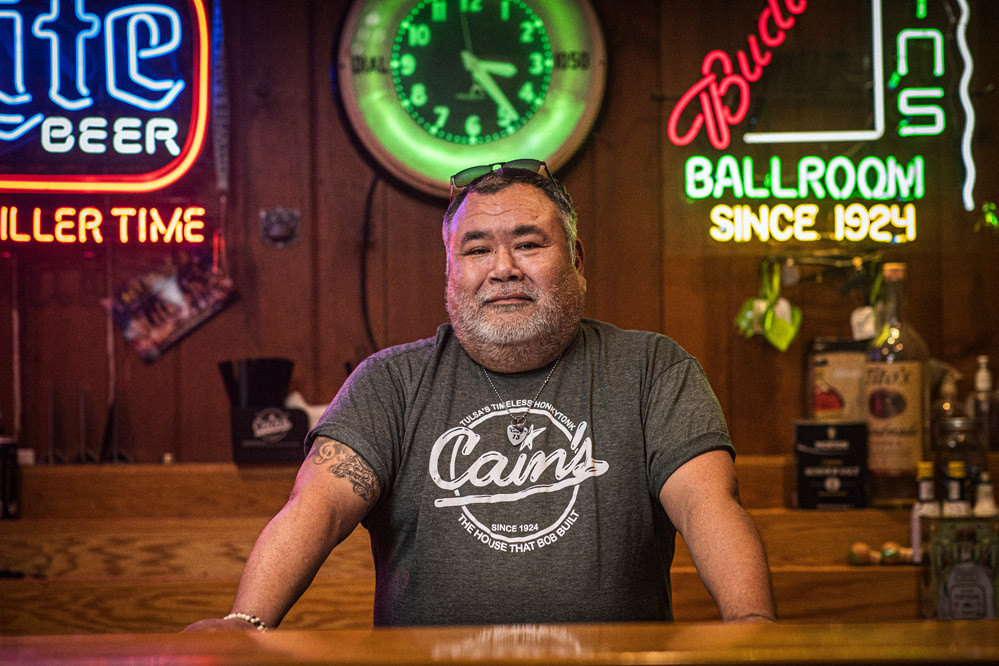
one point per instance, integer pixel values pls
(346, 464)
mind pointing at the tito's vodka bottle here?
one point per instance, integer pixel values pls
(897, 401)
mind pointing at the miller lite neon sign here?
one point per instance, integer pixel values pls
(101, 96)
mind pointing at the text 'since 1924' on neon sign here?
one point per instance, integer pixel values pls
(101, 95)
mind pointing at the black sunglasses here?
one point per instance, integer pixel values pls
(464, 178)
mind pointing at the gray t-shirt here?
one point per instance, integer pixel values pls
(476, 525)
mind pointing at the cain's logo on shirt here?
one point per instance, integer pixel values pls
(514, 499)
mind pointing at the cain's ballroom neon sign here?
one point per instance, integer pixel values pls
(886, 187)
(101, 96)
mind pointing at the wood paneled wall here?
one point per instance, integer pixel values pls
(649, 261)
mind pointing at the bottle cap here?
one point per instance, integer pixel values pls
(925, 469)
(955, 469)
(894, 270)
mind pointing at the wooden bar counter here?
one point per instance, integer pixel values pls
(109, 562)
(876, 643)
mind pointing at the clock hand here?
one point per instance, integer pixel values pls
(493, 90)
(484, 79)
(473, 64)
(466, 32)
(506, 69)
(468, 61)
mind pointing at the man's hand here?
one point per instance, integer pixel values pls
(219, 624)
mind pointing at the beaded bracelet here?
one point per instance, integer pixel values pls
(245, 617)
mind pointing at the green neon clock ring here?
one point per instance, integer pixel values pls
(434, 86)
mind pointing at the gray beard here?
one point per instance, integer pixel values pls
(518, 344)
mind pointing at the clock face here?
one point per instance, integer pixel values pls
(508, 71)
(434, 86)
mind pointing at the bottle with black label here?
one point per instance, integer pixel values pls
(897, 401)
(925, 515)
(956, 503)
(925, 510)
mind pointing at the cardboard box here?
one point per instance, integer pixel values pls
(831, 464)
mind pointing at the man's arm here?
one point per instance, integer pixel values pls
(702, 500)
(334, 490)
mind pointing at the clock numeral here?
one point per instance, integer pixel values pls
(506, 116)
(442, 112)
(526, 92)
(505, 10)
(419, 34)
(418, 94)
(572, 60)
(537, 64)
(473, 127)
(438, 11)
(527, 29)
(471, 5)
(407, 64)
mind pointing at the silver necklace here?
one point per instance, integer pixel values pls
(517, 431)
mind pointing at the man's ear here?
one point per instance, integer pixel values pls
(579, 256)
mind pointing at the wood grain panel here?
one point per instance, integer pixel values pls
(165, 604)
(621, 216)
(154, 491)
(218, 547)
(649, 262)
(203, 490)
(207, 490)
(159, 605)
(812, 594)
(203, 548)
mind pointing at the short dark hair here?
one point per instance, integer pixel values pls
(499, 180)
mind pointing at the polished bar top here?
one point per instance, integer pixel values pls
(782, 643)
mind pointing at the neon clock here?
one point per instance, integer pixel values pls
(433, 86)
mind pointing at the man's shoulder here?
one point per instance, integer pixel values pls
(629, 341)
(416, 352)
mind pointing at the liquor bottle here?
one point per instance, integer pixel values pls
(947, 405)
(981, 405)
(964, 557)
(926, 509)
(957, 438)
(955, 503)
(985, 499)
(897, 401)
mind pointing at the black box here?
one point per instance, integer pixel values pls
(10, 480)
(268, 435)
(831, 462)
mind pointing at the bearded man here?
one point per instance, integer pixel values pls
(525, 464)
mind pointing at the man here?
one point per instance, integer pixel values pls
(524, 465)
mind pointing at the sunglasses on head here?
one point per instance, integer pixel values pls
(464, 178)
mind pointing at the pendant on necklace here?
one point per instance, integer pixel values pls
(516, 432)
